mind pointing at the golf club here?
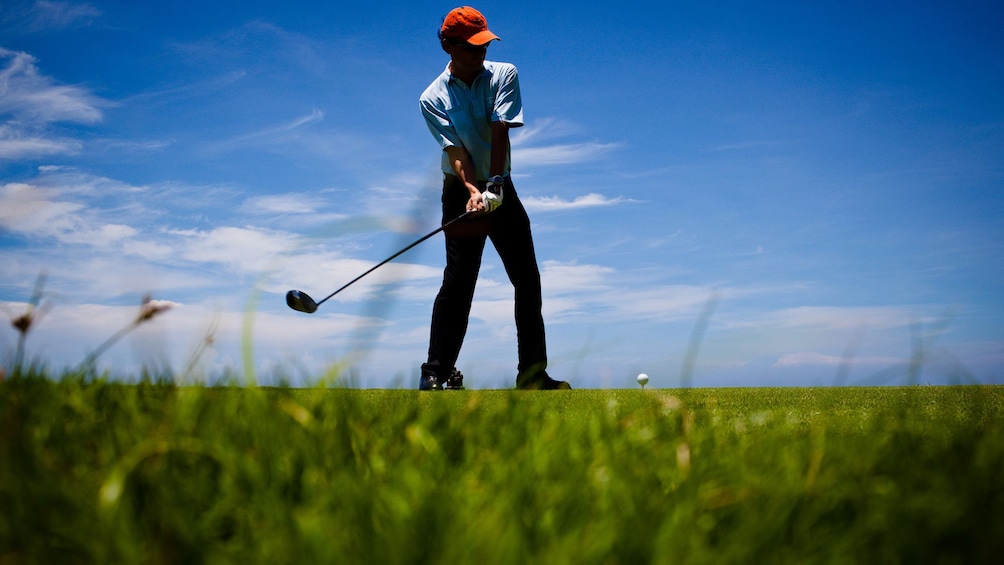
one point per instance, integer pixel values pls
(299, 300)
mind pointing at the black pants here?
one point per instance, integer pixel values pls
(508, 227)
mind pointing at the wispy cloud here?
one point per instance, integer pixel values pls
(554, 203)
(560, 154)
(46, 15)
(567, 276)
(29, 210)
(244, 249)
(273, 133)
(744, 145)
(661, 303)
(87, 216)
(841, 318)
(29, 96)
(44, 213)
(190, 90)
(603, 294)
(813, 359)
(288, 203)
(139, 147)
(16, 144)
(30, 102)
(529, 149)
(543, 129)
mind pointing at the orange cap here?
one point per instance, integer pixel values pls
(468, 24)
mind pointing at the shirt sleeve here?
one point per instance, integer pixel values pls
(508, 102)
(439, 124)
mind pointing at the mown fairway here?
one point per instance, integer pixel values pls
(106, 473)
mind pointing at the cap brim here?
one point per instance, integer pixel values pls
(482, 37)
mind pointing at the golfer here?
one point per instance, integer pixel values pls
(469, 109)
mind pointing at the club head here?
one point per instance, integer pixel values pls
(300, 301)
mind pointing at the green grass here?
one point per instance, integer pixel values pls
(94, 472)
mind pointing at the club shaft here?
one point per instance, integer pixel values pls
(396, 255)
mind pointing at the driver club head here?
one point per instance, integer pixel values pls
(298, 300)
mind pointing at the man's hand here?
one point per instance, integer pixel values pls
(475, 203)
(491, 198)
(490, 201)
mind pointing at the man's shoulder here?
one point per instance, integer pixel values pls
(498, 67)
(438, 87)
(500, 74)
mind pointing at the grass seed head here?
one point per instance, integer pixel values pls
(23, 322)
(151, 308)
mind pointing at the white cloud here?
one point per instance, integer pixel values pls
(662, 303)
(70, 181)
(542, 129)
(313, 211)
(554, 154)
(105, 235)
(248, 250)
(552, 203)
(838, 318)
(149, 250)
(30, 210)
(42, 212)
(35, 98)
(281, 132)
(289, 203)
(30, 102)
(562, 277)
(568, 154)
(604, 294)
(96, 277)
(19, 145)
(812, 359)
(48, 15)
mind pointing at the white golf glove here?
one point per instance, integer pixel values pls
(491, 197)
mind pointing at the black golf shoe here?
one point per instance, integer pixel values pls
(541, 381)
(551, 384)
(455, 381)
(430, 380)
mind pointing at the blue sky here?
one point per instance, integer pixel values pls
(814, 190)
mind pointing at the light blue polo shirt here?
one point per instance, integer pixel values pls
(462, 116)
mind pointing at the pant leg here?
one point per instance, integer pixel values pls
(513, 240)
(452, 307)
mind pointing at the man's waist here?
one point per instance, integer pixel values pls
(481, 183)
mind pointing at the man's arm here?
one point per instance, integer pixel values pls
(500, 148)
(463, 167)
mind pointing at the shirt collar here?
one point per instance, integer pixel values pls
(449, 74)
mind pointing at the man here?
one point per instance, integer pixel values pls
(469, 109)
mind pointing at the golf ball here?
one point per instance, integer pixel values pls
(643, 379)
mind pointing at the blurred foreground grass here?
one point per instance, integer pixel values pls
(94, 472)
